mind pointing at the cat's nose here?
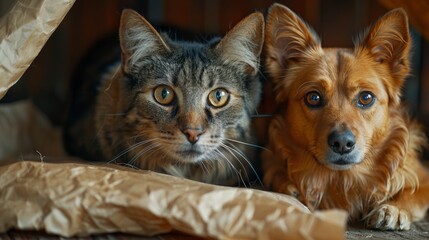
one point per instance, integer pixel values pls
(193, 134)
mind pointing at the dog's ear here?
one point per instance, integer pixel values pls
(288, 39)
(388, 42)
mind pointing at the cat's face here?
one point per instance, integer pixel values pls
(189, 101)
(191, 104)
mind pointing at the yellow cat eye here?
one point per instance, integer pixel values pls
(163, 94)
(218, 97)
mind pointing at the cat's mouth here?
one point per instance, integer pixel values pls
(190, 152)
(190, 155)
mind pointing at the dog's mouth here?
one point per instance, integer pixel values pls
(340, 164)
(344, 162)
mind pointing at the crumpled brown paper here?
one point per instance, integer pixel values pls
(23, 33)
(76, 199)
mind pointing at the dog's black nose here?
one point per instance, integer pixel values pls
(341, 142)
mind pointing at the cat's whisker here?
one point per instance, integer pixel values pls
(204, 167)
(129, 165)
(238, 173)
(262, 75)
(208, 165)
(132, 147)
(134, 140)
(241, 154)
(127, 150)
(230, 150)
(247, 144)
(142, 135)
(212, 161)
(118, 144)
(144, 151)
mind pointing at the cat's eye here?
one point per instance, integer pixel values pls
(313, 99)
(365, 99)
(163, 94)
(218, 97)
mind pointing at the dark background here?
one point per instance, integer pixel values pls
(337, 22)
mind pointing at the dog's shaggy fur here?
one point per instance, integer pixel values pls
(341, 137)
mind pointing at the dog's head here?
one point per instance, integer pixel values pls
(336, 101)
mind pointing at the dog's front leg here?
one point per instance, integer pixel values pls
(388, 216)
(404, 208)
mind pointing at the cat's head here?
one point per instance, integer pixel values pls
(189, 101)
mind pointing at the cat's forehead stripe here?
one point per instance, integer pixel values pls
(190, 72)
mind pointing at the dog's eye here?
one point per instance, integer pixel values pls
(313, 100)
(365, 99)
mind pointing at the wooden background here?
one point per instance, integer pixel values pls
(336, 21)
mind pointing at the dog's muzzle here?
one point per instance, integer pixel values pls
(342, 154)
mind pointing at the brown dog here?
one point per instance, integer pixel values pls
(341, 138)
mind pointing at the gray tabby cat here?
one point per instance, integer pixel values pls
(181, 108)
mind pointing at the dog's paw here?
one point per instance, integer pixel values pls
(289, 189)
(388, 217)
(313, 198)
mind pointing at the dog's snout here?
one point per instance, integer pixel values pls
(342, 142)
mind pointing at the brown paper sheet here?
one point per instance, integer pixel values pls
(77, 200)
(23, 33)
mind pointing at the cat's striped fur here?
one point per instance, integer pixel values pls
(181, 108)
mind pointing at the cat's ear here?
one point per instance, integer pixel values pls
(243, 44)
(288, 39)
(388, 42)
(138, 39)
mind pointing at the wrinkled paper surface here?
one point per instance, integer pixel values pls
(23, 33)
(76, 199)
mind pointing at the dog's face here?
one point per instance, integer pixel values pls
(336, 102)
(338, 108)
